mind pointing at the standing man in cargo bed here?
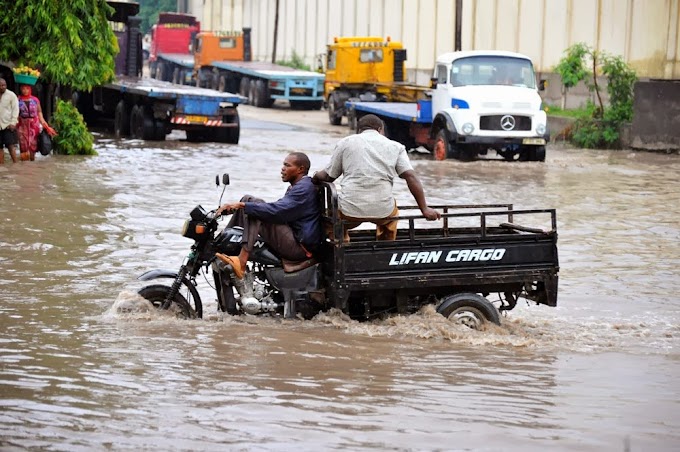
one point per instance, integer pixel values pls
(369, 161)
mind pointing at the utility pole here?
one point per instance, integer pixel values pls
(276, 31)
(459, 23)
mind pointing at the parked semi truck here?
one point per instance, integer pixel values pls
(149, 109)
(366, 68)
(480, 100)
(222, 61)
(170, 52)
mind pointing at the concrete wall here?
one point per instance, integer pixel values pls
(656, 120)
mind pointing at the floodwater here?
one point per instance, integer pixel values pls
(597, 373)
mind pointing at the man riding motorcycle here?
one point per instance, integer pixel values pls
(291, 226)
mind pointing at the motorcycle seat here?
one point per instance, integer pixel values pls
(295, 266)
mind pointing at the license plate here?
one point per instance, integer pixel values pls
(197, 119)
(533, 141)
(298, 90)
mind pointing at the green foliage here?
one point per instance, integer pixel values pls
(296, 62)
(554, 110)
(149, 9)
(73, 137)
(572, 68)
(69, 41)
(599, 128)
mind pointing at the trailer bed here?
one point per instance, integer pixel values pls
(153, 88)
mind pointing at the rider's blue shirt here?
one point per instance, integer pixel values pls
(299, 209)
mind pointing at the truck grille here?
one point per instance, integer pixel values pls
(399, 58)
(505, 122)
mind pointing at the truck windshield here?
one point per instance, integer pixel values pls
(493, 70)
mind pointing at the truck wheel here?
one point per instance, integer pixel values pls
(160, 71)
(142, 123)
(469, 309)
(222, 85)
(175, 76)
(121, 120)
(252, 93)
(442, 146)
(234, 133)
(538, 154)
(263, 98)
(334, 116)
(158, 130)
(244, 87)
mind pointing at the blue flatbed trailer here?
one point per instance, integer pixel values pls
(149, 109)
(174, 67)
(264, 82)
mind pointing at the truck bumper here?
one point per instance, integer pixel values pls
(502, 141)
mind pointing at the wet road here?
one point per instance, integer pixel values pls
(599, 372)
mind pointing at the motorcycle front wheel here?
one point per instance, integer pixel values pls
(157, 294)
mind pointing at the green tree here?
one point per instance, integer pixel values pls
(69, 41)
(149, 9)
(600, 126)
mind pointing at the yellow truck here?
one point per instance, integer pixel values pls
(366, 68)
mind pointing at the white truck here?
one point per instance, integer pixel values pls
(480, 100)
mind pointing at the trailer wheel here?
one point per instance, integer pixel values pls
(244, 87)
(263, 98)
(334, 116)
(182, 77)
(469, 309)
(175, 76)
(233, 134)
(222, 85)
(252, 93)
(142, 123)
(160, 71)
(159, 130)
(121, 120)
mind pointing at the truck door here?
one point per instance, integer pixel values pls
(441, 95)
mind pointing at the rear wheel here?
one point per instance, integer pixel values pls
(157, 293)
(334, 117)
(175, 76)
(469, 309)
(121, 120)
(142, 123)
(222, 85)
(244, 87)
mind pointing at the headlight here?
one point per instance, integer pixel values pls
(540, 129)
(468, 128)
(193, 229)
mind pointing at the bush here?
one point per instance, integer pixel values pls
(296, 62)
(73, 137)
(600, 128)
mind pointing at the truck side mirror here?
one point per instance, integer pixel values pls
(433, 82)
(542, 84)
(225, 178)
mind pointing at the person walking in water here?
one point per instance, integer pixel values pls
(9, 117)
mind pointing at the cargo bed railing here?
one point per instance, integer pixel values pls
(329, 203)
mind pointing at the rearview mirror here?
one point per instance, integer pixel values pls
(433, 82)
(225, 179)
(542, 84)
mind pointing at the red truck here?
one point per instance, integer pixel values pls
(171, 40)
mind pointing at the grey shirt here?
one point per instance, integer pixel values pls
(368, 162)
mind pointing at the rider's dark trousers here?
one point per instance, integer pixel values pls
(278, 236)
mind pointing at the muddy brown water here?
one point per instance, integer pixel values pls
(598, 372)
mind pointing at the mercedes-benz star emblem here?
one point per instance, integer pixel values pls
(507, 122)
